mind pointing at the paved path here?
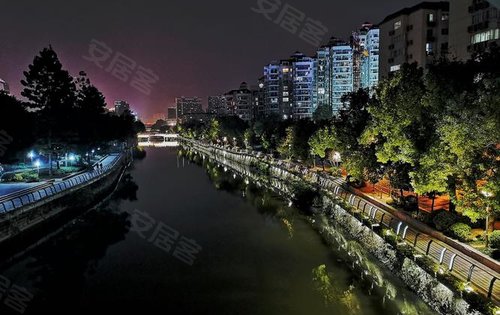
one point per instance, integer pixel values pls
(22, 195)
(9, 188)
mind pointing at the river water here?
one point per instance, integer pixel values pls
(180, 237)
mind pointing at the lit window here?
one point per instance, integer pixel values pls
(429, 48)
(430, 17)
(397, 25)
(395, 68)
(444, 17)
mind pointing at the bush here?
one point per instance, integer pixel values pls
(460, 231)
(443, 220)
(494, 239)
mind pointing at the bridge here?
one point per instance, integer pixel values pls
(159, 140)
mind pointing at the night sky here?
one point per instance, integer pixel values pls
(197, 48)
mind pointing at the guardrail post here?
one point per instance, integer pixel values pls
(452, 262)
(428, 247)
(471, 269)
(416, 238)
(490, 289)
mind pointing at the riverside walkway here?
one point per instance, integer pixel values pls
(18, 196)
(478, 272)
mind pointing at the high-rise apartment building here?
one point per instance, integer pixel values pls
(188, 105)
(474, 26)
(416, 34)
(239, 102)
(370, 60)
(342, 74)
(289, 87)
(217, 105)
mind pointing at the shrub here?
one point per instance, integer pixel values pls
(494, 239)
(443, 220)
(461, 231)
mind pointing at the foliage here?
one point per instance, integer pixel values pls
(494, 239)
(322, 141)
(285, 147)
(443, 220)
(304, 196)
(461, 231)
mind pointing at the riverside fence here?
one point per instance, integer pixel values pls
(455, 259)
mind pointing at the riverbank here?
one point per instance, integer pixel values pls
(28, 213)
(412, 266)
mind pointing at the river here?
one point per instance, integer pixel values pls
(180, 237)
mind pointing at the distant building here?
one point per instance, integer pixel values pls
(259, 99)
(278, 85)
(121, 107)
(187, 106)
(303, 99)
(342, 73)
(416, 34)
(365, 44)
(239, 102)
(289, 87)
(4, 87)
(172, 113)
(217, 105)
(474, 25)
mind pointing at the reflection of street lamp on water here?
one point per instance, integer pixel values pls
(488, 195)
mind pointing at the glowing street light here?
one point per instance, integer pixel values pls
(31, 155)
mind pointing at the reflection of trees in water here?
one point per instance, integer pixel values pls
(267, 202)
(331, 293)
(59, 265)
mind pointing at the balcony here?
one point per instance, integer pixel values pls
(478, 27)
(479, 6)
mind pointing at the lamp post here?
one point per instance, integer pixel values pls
(37, 165)
(488, 195)
(31, 155)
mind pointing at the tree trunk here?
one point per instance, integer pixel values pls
(433, 200)
(452, 192)
(323, 163)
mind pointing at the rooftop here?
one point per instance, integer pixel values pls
(441, 5)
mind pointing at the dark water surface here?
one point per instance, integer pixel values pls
(257, 254)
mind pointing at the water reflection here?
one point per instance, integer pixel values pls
(338, 295)
(72, 253)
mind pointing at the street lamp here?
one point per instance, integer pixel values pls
(31, 155)
(488, 195)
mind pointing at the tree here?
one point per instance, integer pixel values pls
(50, 92)
(285, 147)
(17, 134)
(321, 141)
(213, 130)
(358, 159)
(323, 112)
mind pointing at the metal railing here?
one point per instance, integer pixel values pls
(19, 199)
(450, 259)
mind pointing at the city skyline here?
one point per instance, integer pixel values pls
(210, 67)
